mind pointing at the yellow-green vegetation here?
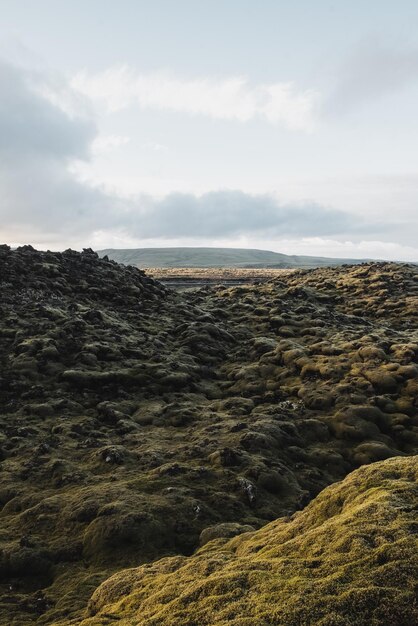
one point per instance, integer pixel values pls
(216, 273)
(138, 423)
(350, 558)
(182, 278)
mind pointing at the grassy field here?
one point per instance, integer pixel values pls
(216, 273)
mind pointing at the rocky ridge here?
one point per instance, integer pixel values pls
(137, 423)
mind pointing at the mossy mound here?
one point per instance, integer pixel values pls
(351, 557)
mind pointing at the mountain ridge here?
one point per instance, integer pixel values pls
(218, 257)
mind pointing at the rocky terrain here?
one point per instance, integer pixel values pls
(138, 423)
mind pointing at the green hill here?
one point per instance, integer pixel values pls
(217, 257)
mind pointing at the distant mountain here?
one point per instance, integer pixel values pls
(217, 257)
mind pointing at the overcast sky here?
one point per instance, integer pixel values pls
(289, 126)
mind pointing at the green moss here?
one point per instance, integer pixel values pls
(349, 558)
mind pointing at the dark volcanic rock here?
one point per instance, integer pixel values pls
(133, 418)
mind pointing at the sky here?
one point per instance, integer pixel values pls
(286, 126)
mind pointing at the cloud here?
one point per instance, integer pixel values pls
(31, 125)
(155, 146)
(44, 203)
(41, 195)
(39, 142)
(107, 143)
(230, 214)
(373, 71)
(232, 98)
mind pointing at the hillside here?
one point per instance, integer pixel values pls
(137, 423)
(216, 257)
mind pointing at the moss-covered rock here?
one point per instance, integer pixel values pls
(351, 557)
(132, 418)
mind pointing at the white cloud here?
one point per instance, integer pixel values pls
(47, 203)
(106, 143)
(155, 146)
(232, 98)
(42, 195)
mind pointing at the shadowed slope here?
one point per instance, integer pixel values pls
(351, 557)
